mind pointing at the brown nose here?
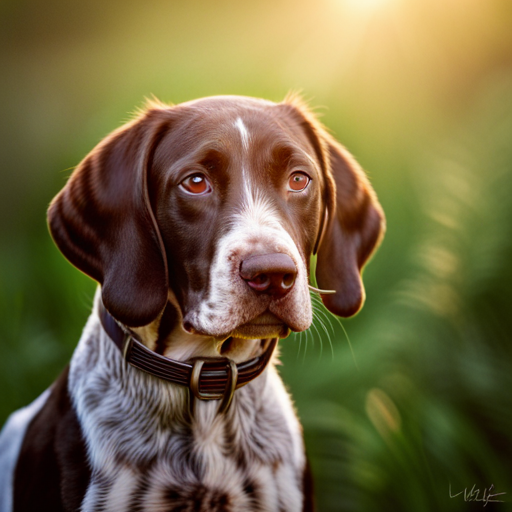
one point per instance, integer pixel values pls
(273, 274)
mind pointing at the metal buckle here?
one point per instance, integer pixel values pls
(225, 397)
(127, 347)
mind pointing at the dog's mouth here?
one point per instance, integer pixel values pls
(266, 325)
(236, 343)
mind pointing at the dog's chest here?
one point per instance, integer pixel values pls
(148, 454)
(172, 485)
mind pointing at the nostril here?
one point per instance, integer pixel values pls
(259, 283)
(259, 280)
(288, 280)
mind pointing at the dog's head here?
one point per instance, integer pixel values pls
(217, 205)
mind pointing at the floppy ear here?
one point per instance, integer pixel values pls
(353, 229)
(103, 223)
(352, 223)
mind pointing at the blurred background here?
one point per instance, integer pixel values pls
(420, 91)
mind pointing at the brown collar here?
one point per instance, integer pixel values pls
(206, 378)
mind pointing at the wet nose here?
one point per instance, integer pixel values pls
(273, 274)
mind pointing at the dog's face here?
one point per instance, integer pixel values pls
(230, 182)
(217, 205)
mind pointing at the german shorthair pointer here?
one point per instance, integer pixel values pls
(198, 221)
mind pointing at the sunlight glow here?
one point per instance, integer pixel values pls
(364, 6)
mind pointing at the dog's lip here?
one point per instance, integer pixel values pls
(261, 331)
(264, 325)
(266, 318)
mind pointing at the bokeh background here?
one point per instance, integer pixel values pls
(420, 91)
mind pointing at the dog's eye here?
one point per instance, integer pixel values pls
(298, 181)
(196, 184)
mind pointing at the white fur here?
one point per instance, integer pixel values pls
(140, 439)
(244, 133)
(117, 497)
(11, 439)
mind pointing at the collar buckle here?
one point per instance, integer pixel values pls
(225, 398)
(127, 347)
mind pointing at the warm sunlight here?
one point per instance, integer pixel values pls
(364, 6)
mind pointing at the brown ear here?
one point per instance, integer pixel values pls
(352, 224)
(103, 223)
(354, 228)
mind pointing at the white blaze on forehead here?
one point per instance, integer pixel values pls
(244, 134)
(257, 211)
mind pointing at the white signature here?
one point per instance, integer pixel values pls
(474, 495)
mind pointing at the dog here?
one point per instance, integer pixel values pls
(198, 222)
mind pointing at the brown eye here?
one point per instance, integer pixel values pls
(196, 184)
(298, 181)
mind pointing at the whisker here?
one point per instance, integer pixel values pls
(318, 317)
(318, 302)
(300, 344)
(325, 316)
(323, 310)
(349, 344)
(319, 337)
(305, 346)
(318, 310)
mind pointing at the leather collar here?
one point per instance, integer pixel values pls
(206, 378)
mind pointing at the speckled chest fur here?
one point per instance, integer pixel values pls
(147, 453)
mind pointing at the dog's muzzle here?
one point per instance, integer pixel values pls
(206, 378)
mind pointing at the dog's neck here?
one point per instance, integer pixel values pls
(182, 346)
(103, 385)
(135, 424)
